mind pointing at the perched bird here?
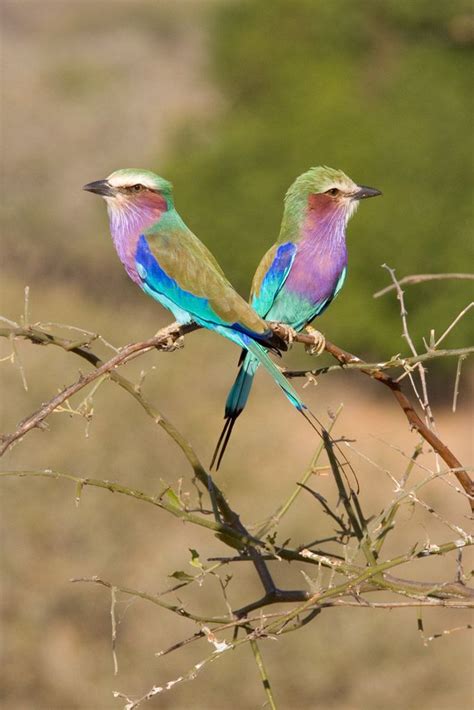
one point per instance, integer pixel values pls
(170, 264)
(303, 271)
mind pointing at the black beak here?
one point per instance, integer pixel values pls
(363, 192)
(100, 187)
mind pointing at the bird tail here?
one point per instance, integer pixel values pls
(264, 359)
(237, 399)
(239, 393)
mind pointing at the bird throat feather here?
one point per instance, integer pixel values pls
(321, 254)
(129, 219)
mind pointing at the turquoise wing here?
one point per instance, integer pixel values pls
(270, 276)
(184, 279)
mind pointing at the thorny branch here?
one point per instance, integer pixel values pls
(162, 341)
(354, 572)
(377, 373)
(420, 278)
(346, 578)
(165, 340)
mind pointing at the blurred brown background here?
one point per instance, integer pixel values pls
(193, 90)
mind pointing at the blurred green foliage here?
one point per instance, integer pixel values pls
(379, 89)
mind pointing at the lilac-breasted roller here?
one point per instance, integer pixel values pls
(302, 273)
(170, 264)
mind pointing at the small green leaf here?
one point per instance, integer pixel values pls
(195, 561)
(171, 497)
(182, 576)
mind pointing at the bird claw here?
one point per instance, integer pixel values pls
(170, 345)
(319, 341)
(288, 333)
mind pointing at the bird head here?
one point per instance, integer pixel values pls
(133, 193)
(324, 192)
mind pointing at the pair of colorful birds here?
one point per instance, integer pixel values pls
(296, 280)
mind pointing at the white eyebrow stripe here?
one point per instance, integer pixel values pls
(344, 186)
(130, 180)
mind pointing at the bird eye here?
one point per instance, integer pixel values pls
(137, 188)
(333, 192)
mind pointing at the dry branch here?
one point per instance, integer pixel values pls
(348, 580)
(164, 340)
(374, 576)
(419, 278)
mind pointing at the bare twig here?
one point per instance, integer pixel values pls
(392, 363)
(457, 381)
(401, 605)
(454, 323)
(263, 674)
(424, 402)
(113, 618)
(419, 278)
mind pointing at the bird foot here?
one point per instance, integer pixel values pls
(170, 345)
(288, 333)
(318, 344)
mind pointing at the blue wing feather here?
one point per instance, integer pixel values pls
(184, 305)
(274, 278)
(156, 282)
